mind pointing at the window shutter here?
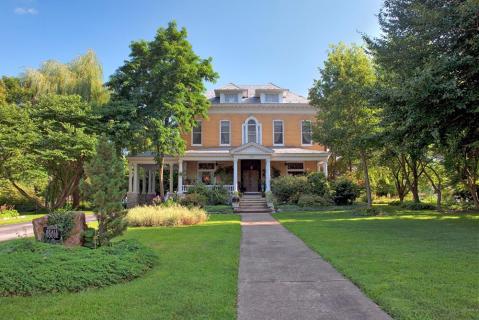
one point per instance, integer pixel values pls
(260, 137)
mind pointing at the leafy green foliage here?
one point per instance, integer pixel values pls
(194, 200)
(8, 213)
(313, 200)
(413, 205)
(286, 189)
(106, 174)
(59, 269)
(345, 192)
(162, 85)
(218, 196)
(347, 122)
(318, 185)
(64, 220)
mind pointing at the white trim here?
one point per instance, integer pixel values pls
(259, 130)
(229, 125)
(301, 125)
(201, 135)
(282, 126)
(266, 108)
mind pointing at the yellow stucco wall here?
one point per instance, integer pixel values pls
(291, 123)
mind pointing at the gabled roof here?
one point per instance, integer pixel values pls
(251, 148)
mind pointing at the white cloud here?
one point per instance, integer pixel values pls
(21, 11)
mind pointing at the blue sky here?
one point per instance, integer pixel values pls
(251, 42)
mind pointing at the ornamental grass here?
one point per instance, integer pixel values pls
(165, 216)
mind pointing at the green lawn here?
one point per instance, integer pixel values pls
(195, 278)
(27, 217)
(415, 265)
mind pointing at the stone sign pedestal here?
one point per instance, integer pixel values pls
(76, 234)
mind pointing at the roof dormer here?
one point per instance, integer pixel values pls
(270, 94)
(230, 93)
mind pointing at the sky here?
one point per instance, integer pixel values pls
(251, 42)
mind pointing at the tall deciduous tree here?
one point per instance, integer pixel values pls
(106, 172)
(347, 123)
(164, 81)
(430, 52)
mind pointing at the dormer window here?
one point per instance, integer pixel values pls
(231, 98)
(271, 98)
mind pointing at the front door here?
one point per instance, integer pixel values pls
(250, 175)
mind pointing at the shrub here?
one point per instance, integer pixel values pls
(345, 192)
(318, 184)
(395, 203)
(199, 188)
(287, 188)
(368, 212)
(313, 200)
(194, 200)
(64, 220)
(175, 215)
(417, 206)
(29, 267)
(218, 196)
(9, 213)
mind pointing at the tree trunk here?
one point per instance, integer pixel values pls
(473, 190)
(414, 184)
(161, 167)
(76, 196)
(366, 178)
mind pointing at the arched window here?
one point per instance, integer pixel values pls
(252, 131)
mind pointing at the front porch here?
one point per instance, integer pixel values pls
(248, 168)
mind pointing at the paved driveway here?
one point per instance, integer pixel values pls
(24, 229)
(281, 278)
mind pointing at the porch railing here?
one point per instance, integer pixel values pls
(228, 187)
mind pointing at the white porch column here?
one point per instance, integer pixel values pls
(130, 178)
(325, 168)
(171, 177)
(180, 176)
(268, 174)
(135, 178)
(235, 175)
(143, 183)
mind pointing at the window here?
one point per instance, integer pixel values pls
(206, 171)
(271, 98)
(196, 134)
(306, 132)
(251, 129)
(231, 98)
(278, 134)
(295, 168)
(225, 133)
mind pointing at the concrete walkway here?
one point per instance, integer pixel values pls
(281, 278)
(25, 229)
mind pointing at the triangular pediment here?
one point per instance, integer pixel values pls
(251, 148)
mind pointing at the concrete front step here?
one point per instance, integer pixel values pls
(262, 210)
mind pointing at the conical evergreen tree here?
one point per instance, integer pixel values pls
(106, 173)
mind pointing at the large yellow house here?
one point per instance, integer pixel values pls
(252, 134)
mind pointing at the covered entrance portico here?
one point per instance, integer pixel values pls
(247, 168)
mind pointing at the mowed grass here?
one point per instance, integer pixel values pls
(415, 265)
(195, 278)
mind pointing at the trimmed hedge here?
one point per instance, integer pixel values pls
(29, 267)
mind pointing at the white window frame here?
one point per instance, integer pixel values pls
(211, 171)
(295, 170)
(230, 95)
(201, 135)
(259, 129)
(229, 134)
(271, 95)
(282, 126)
(301, 124)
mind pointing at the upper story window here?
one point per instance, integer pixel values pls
(306, 132)
(271, 98)
(251, 131)
(225, 132)
(196, 134)
(278, 133)
(231, 98)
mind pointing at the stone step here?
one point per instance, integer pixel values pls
(261, 210)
